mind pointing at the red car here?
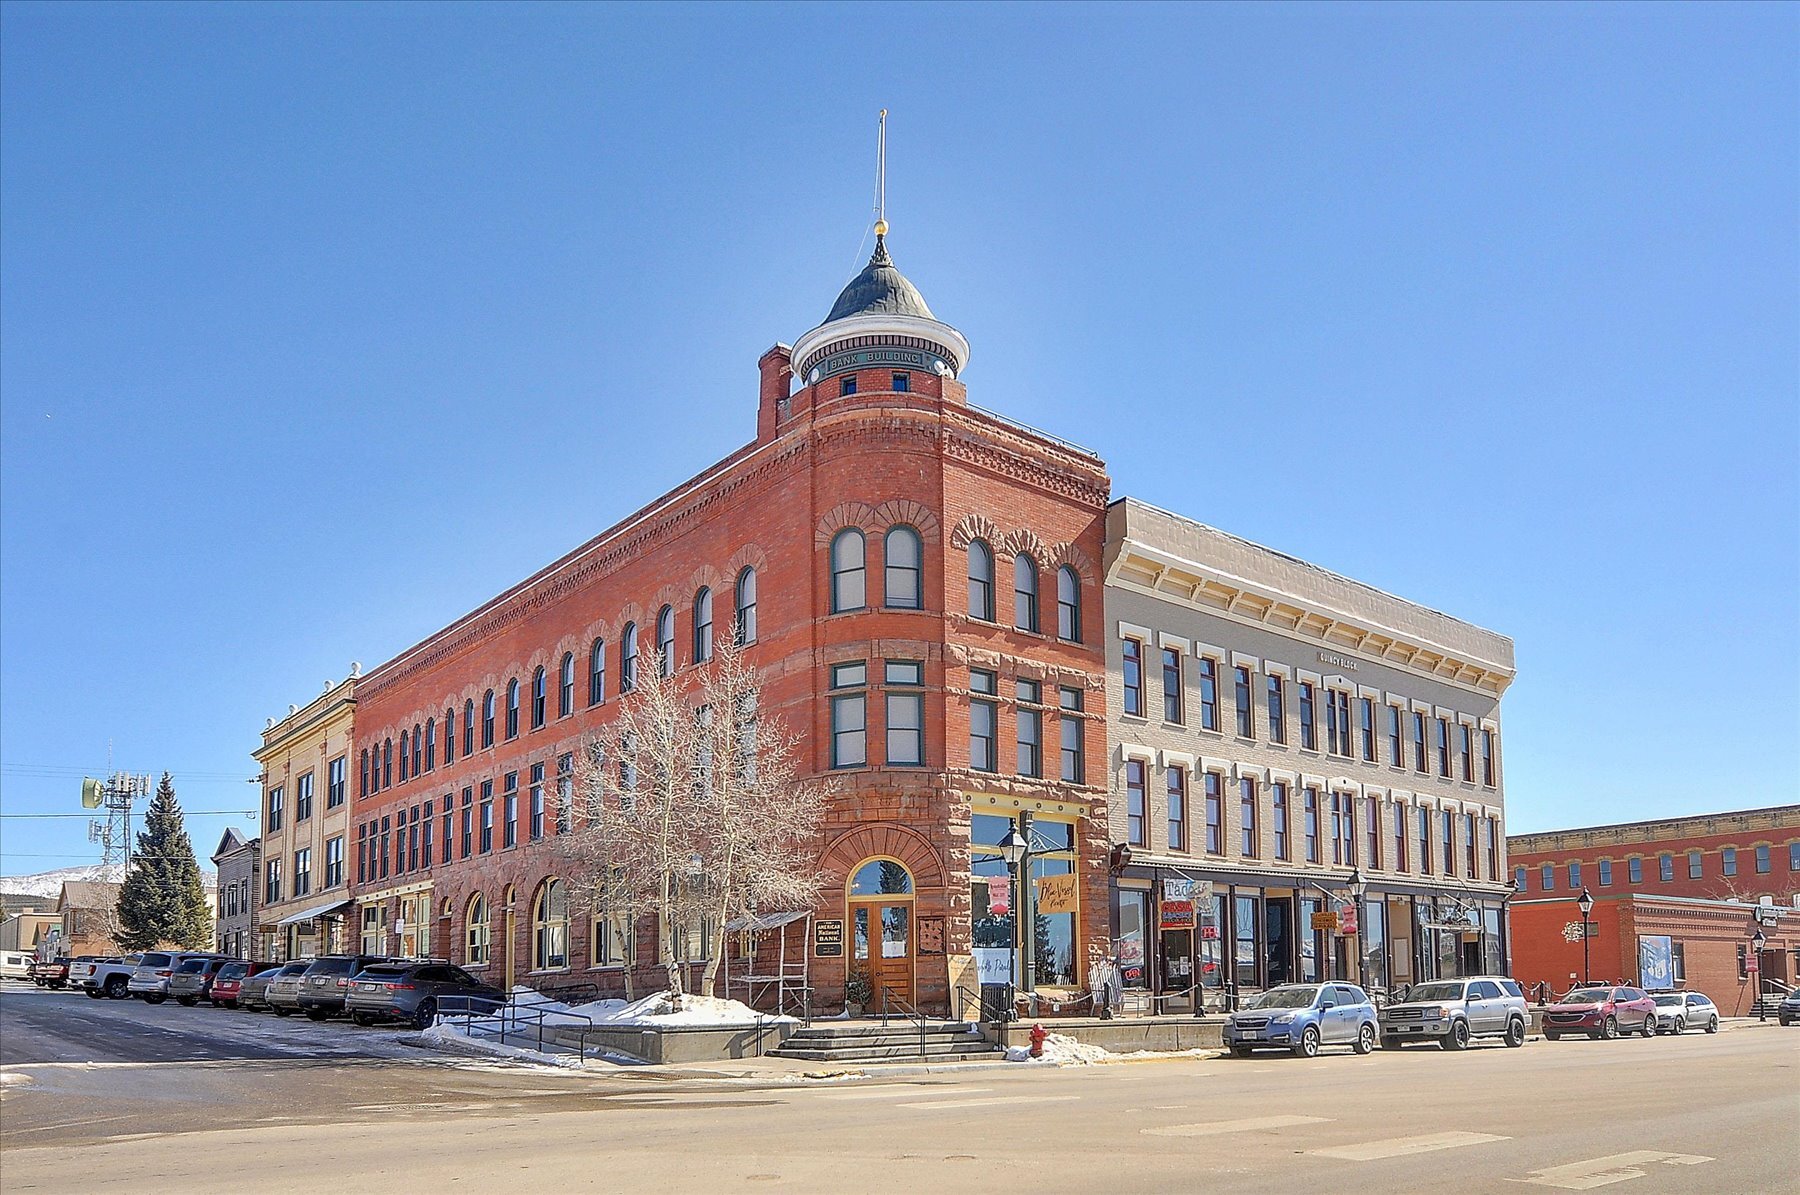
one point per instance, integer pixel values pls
(230, 981)
(1601, 1012)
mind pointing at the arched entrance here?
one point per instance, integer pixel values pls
(883, 930)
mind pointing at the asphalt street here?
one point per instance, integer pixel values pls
(168, 1099)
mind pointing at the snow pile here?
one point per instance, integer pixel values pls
(1062, 1050)
(660, 1010)
(452, 1037)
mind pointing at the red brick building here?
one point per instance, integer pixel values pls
(919, 581)
(1709, 944)
(1746, 855)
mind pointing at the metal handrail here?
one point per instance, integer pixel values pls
(509, 1014)
(908, 1012)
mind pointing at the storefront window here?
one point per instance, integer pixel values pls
(1212, 947)
(1374, 944)
(1134, 923)
(1244, 927)
(991, 895)
(1309, 940)
(1493, 957)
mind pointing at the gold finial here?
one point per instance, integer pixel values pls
(881, 226)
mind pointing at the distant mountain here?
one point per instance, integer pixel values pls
(49, 883)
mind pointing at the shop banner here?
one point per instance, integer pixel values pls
(999, 895)
(1656, 962)
(1055, 894)
(1347, 920)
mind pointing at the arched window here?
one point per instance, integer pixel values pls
(550, 927)
(597, 672)
(628, 658)
(387, 763)
(981, 581)
(449, 736)
(900, 586)
(848, 557)
(744, 628)
(476, 928)
(403, 742)
(565, 686)
(430, 744)
(665, 641)
(512, 708)
(881, 877)
(703, 626)
(418, 755)
(469, 726)
(1025, 593)
(537, 697)
(487, 718)
(1068, 604)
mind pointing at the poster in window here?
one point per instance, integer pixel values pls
(1656, 957)
(931, 935)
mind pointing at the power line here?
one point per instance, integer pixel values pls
(184, 813)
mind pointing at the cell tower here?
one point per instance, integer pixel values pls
(115, 796)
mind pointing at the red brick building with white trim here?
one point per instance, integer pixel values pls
(843, 535)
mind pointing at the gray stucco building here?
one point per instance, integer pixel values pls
(1281, 734)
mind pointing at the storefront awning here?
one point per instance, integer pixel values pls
(332, 906)
(766, 921)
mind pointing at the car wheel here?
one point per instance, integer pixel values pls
(1609, 1029)
(1712, 1026)
(1308, 1045)
(1680, 1026)
(187, 1001)
(279, 1011)
(94, 993)
(1515, 1033)
(1552, 1035)
(154, 999)
(316, 1014)
(1457, 1038)
(426, 1014)
(115, 988)
(1650, 1025)
(1240, 1051)
(1365, 1040)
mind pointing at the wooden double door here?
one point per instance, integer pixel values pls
(885, 937)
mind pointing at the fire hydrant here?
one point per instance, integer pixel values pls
(1037, 1041)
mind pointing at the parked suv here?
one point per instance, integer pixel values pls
(1601, 1012)
(1302, 1017)
(193, 979)
(405, 991)
(1788, 1012)
(1455, 1011)
(228, 984)
(327, 982)
(253, 990)
(283, 993)
(1677, 1012)
(150, 980)
(111, 977)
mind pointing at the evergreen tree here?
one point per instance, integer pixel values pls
(162, 899)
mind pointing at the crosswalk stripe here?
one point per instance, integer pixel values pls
(1395, 1147)
(1598, 1172)
(991, 1101)
(1247, 1125)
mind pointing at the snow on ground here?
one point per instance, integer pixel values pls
(451, 1037)
(659, 1011)
(1062, 1050)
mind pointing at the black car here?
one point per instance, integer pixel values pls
(327, 982)
(409, 991)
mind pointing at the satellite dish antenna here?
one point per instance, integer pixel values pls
(92, 793)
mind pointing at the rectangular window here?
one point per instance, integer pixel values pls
(565, 798)
(1372, 823)
(1762, 861)
(1333, 746)
(1177, 782)
(1793, 858)
(487, 816)
(510, 827)
(1443, 746)
(1519, 879)
(1665, 868)
(1031, 742)
(1634, 870)
(362, 854)
(303, 871)
(1309, 814)
(272, 882)
(1246, 715)
(537, 801)
(1574, 870)
(273, 820)
(1209, 694)
(1677, 962)
(905, 728)
(1278, 802)
(1728, 861)
(902, 383)
(1695, 868)
(1309, 730)
(1469, 846)
(1368, 729)
(1074, 755)
(1399, 837)
(468, 822)
(1419, 743)
(1341, 700)
(1277, 714)
(303, 797)
(1467, 753)
(847, 385)
(1394, 737)
(1335, 802)
(1247, 816)
(337, 781)
(1546, 878)
(1134, 802)
(849, 716)
(1424, 841)
(1605, 868)
(1487, 758)
(984, 721)
(449, 830)
(1133, 678)
(1172, 691)
(1215, 814)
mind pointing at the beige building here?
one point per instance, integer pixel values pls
(1281, 736)
(303, 893)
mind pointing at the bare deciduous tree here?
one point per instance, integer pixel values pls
(689, 811)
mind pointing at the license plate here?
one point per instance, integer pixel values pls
(1253, 1035)
(368, 987)
(1415, 1028)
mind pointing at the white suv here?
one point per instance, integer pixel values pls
(1454, 1012)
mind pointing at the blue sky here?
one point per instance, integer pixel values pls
(323, 324)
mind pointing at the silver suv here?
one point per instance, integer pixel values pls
(1456, 1011)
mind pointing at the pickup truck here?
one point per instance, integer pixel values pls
(110, 976)
(50, 973)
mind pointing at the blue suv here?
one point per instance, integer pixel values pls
(1302, 1017)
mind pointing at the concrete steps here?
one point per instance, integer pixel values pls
(898, 1041)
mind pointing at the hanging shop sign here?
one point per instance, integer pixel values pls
(1055, 894)
(1326, 920)
(1176, 914)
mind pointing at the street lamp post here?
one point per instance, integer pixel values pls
(1757, 941)
(1015, 848)
(1585, 902)
(1357, 886)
